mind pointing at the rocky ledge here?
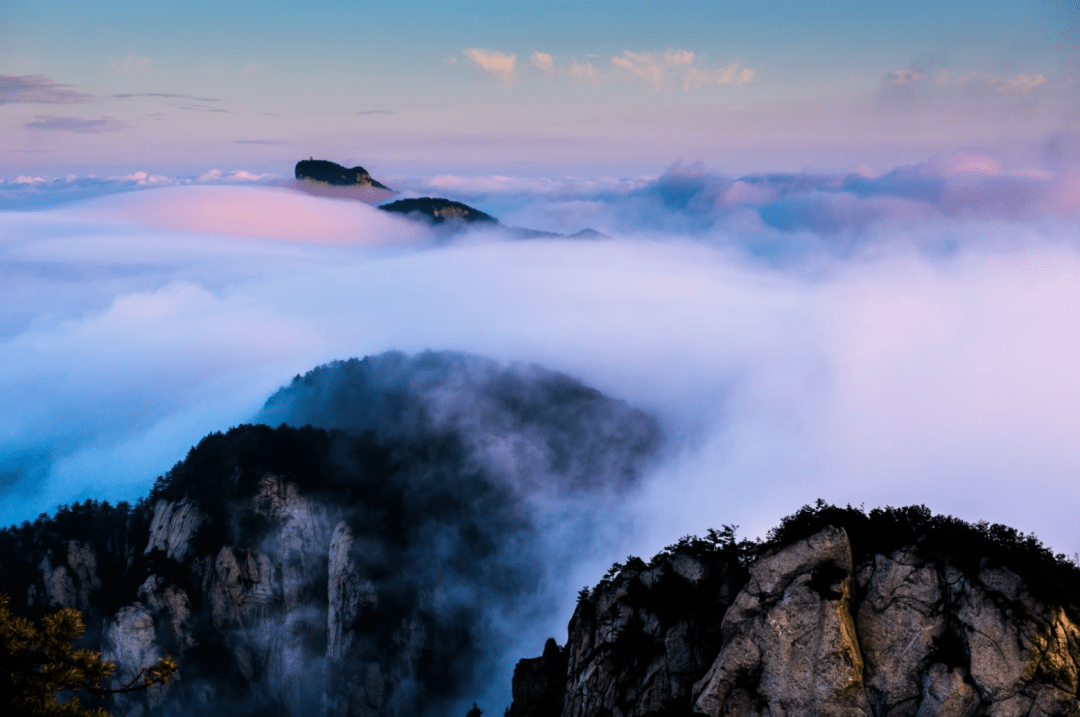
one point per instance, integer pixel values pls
(829, 624)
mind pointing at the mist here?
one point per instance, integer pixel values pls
(882, 337)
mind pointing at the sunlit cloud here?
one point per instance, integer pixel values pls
(263, 212)
(543, 62)
(36, 89)
(494, 62)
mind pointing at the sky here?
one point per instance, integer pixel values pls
(843, 257)
(612, 87)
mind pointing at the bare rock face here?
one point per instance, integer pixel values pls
(173, 528)
(131, 642)
(351, 598)
(790, 645)
(809, 632)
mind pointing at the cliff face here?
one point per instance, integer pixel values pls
(808, 630)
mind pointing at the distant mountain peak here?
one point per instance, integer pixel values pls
(321, 170)
(439, 210)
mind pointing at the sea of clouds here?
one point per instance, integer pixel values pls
(878, 337)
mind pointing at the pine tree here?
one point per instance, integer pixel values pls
(38, 664)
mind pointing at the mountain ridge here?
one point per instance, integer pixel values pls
(342, 570)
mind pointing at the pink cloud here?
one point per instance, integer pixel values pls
(966, 163)
(259, 212)
(494, 62)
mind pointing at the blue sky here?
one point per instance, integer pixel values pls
(594, 87)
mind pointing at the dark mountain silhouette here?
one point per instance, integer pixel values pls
(350, 569)
(438, 210)
(447, 213)
(321, 170)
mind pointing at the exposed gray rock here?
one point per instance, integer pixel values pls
(131, 643)
(59, 587)
(173, 527)
(900, 616)
(790, 646)
(810, 633)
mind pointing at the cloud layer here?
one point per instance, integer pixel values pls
(893, 337)
(831, 212)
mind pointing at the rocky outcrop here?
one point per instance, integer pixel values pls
(173, 528)
(438, 210)
(789, 641)
(321, 170)
(812, 632)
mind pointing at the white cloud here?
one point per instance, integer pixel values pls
(239, 175)
(494, 62)
(133, 65)
(890, 376)
(656, 69)
(733, 74)
(582, 71)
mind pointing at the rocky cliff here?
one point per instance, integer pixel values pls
(352, 571)
(897, 614)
